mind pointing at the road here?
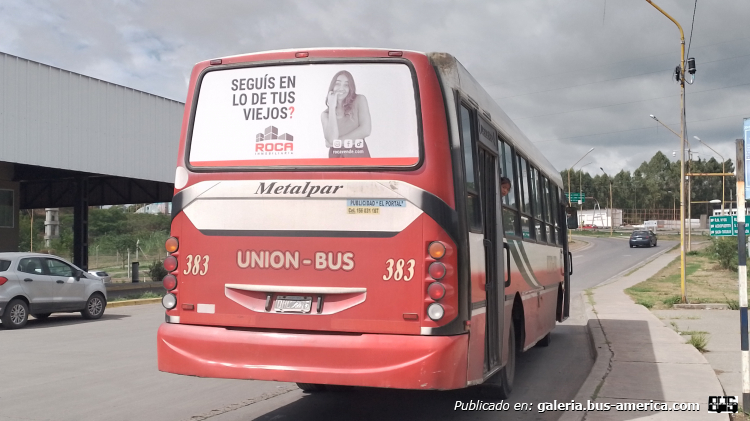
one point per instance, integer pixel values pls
(67, 368)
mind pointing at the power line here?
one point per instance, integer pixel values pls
(625, 103)
(617, 78)
(639, 128)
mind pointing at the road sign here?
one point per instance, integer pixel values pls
(724, 226)
(577, 197)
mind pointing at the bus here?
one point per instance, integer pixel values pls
(339, 219)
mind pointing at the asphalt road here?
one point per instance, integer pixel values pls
(67, 368)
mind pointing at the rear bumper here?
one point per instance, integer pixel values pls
(640, 242)
(391, 361)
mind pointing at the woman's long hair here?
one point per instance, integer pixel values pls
(348, 102)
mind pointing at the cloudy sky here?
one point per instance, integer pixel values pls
(573, 74)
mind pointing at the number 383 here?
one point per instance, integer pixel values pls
(196, 265)
(399, 270)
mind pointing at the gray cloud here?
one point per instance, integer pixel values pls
(572, 75)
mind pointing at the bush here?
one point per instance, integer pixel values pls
(725, 250)
(156, 271)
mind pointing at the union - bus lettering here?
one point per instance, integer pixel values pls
(307, 190)
(267, 259)
(334, 261)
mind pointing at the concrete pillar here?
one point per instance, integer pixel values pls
(51, 225)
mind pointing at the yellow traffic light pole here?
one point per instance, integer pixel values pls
(682, 150)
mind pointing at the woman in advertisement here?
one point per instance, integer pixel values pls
(346, 120)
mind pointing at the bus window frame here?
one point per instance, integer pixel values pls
(304, 168)
(473, 129)
(526, 188)
(512, 176)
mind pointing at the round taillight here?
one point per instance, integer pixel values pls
(3, 280)
(436, 250)
(436, 291)
(436, 270)
(435, 311)
(169, 301)
(172, 244)
(170, 263)
(169, 282)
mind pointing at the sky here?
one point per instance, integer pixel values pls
(572, 74)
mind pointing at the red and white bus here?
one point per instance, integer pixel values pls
(338, 219)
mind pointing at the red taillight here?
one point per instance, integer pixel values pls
(169, 282)
(436, 250)
(437, 270)
(172, 244)
(302, 54)
(215, 61)
(3, 280)
(436, 291)
(170, 263)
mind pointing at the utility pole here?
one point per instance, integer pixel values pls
(742, 272)
(611, 215)
(680, 74)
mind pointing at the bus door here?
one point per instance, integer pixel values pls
(493, 248)
(567, 259)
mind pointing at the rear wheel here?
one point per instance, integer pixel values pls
(311, 387)
(16, 314)
(545, 341)
(501, 384)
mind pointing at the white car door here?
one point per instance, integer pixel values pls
(37, 285)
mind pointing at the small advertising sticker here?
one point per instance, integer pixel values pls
(318, 114)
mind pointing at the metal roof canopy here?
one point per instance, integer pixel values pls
(76, 141)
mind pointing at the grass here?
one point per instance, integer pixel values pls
(705, 282)
(699, 340)
(138, 296)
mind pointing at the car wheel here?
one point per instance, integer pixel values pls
(655, 243)
(311, 387)
(16, 314)
(41, 316)
(631, 246)
(94, 307)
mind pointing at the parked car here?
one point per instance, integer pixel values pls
(104, 276)
(41, 284)
(643, 238)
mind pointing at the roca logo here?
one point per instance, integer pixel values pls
(274, 147)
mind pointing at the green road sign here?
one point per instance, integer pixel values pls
(724, 226)
(576, 197)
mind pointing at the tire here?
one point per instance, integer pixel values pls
(16, 314)
(500, 385)
(545, 341)
(655, 243)
(95, 306)
(631, 246)
(311, 387)
(41, 316)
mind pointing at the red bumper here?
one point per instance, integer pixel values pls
(392, 361)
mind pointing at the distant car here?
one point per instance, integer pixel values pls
(104, 276)
(42, 284)
(643, 238)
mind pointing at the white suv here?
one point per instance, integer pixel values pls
(41, 284)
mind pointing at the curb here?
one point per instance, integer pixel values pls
(126, 303)
(602, 362)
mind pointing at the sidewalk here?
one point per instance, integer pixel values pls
(640, 359)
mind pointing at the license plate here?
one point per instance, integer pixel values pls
(293, 304)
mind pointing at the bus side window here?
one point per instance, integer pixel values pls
(548, 211)
(536, 185)
(510, 207)
(473, 209)
(527, 231)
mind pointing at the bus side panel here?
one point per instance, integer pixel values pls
(478, 300)
(541, 278)
(475, 372)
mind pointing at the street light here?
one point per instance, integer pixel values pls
(680, 73)
(611, 218)
(571, 167)
(723, 161)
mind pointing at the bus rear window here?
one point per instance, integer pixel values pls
(344, 114)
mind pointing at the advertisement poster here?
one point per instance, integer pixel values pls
(303, 115)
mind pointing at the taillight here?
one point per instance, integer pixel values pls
(436, 250)
(435, 311)
(169, 282)
(3, 280)
(172, 244)
(169, 301)
(436, 291)
(170, 263)
(436, 270)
